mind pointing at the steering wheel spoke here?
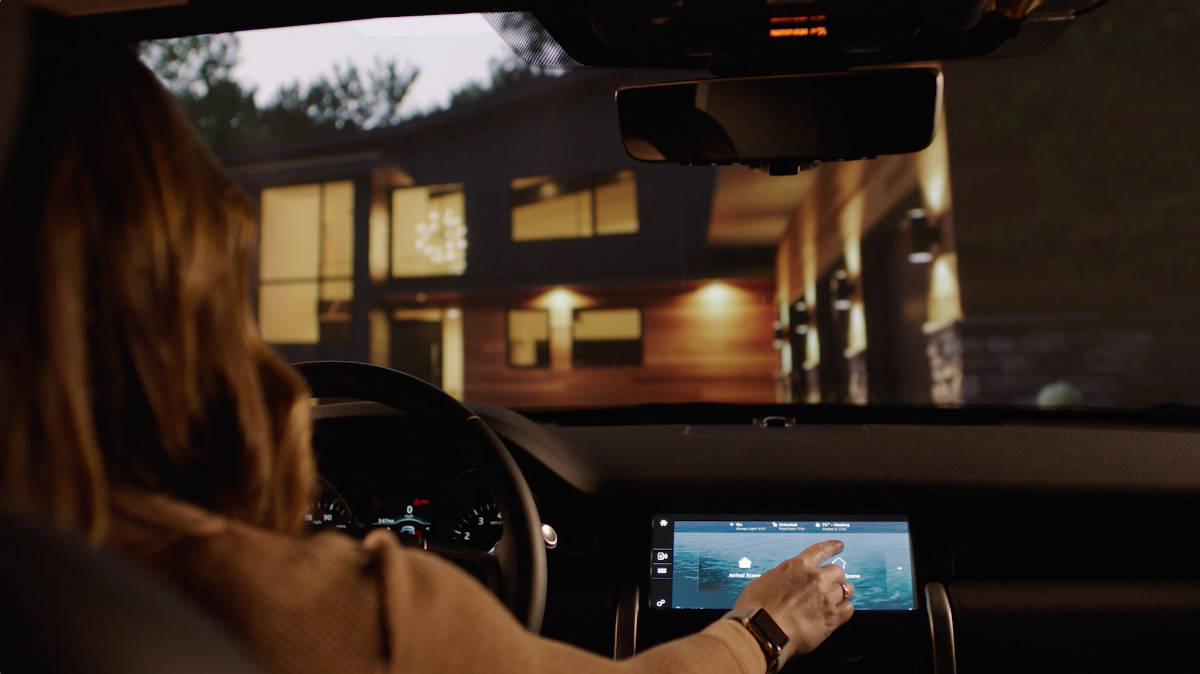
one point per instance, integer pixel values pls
(482, 565)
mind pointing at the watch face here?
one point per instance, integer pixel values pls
(766, 624)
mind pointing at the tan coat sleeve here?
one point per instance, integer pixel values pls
(440, 619)
(329, 603)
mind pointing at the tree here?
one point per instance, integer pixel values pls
(536, 55)
(501, 73)
(199, 72)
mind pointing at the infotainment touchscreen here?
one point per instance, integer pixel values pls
(704, 561)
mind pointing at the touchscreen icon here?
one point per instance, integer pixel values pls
(660, 603)
(745, 563)
(840, 562)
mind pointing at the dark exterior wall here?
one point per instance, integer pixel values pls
(1077, 211)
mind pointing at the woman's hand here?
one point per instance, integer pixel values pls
(804, 599)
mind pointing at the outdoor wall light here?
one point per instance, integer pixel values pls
(799, 317)
(924, 236)
(843, 290)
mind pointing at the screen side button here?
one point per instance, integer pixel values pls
(661, 556)
(660, 571)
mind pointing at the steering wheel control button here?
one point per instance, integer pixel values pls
(550, 536)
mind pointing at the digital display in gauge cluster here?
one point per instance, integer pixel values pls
(410, 521)
(416, 506)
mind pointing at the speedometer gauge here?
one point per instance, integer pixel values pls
(480, 528)
(329, 510)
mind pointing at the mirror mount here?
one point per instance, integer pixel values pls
(786, 167)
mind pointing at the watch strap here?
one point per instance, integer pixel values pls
(763, 628)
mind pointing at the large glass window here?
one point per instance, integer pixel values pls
(429, 231)
(306, 262)
(529, 338)
(606, 337)
(572, 207)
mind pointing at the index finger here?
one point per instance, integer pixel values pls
(819, 552)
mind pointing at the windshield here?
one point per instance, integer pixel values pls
(431, 202)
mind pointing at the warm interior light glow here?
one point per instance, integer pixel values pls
(379, 330)
(453, 365)
(528, 337)
(429, 232)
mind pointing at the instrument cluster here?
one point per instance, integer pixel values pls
(407, 484)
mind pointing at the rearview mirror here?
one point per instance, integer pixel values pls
(783, 122)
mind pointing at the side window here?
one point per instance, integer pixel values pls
(606, 337)
(429, 231)
(574, 207)
(306, 262)
(529, 338)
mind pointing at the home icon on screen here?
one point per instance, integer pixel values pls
(744, 563)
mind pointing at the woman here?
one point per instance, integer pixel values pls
(142, 410)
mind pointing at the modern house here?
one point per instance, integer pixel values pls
(509, 251)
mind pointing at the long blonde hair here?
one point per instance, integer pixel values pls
(129, 353)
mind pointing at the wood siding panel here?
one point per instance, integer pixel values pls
(698, 344)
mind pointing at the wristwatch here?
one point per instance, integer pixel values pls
(771, 639)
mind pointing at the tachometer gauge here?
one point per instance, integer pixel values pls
(480, 528)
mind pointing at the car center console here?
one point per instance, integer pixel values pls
(698, 563)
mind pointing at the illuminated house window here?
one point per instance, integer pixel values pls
(529, 338)
(572, 207)
(606, 337)
(306, 263)
(429, 231)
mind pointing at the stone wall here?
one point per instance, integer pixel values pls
(857, 391)
(1132, 363)
(945, 350)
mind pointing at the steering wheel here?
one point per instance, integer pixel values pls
(517, 571)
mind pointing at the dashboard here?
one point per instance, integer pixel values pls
(996, 545)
